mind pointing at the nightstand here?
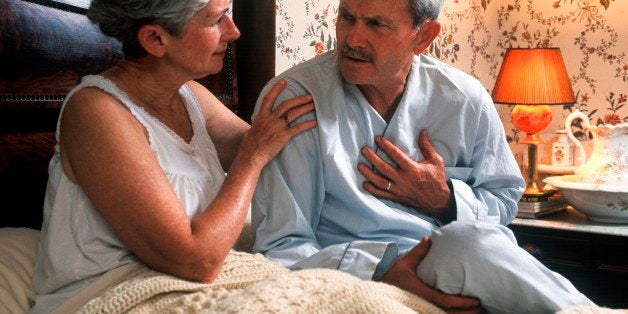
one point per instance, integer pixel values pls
(593, 256)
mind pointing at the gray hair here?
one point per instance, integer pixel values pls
(122, 19)
(422, 10)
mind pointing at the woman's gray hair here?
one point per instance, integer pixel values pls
(122, 19)
(423, 10)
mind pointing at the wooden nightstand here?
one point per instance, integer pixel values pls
(594, 256)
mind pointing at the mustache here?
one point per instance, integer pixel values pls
(357, 53)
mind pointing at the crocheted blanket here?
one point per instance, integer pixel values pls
(251, 283)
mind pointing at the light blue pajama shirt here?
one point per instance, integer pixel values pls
(309, 208)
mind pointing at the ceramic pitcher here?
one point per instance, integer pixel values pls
(608, 163)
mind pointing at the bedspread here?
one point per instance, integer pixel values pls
(250, 283)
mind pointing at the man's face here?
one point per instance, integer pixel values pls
(376, 41)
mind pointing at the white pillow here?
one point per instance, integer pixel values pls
(18, 249)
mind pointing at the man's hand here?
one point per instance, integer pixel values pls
(403, 275)
(416, 184)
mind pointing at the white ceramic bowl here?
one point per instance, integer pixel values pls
(600, 202)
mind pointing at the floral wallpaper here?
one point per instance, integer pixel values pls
(592, 36)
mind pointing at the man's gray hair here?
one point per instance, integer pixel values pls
(122, 19)
(422, 10)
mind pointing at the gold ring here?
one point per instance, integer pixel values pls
(285, 118)
(389, 185)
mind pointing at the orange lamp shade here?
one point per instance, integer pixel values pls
(533, 76)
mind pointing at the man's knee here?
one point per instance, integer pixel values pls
(477, 236)
(464, 251)
(461, 244)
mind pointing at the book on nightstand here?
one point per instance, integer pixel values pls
(533, 210)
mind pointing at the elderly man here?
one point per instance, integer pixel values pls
(409, 156)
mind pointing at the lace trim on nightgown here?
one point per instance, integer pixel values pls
(111, 88)
(186, 147)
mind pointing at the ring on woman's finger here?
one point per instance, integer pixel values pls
(389, 186)
(285, 118)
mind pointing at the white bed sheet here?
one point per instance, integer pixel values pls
(18, 248)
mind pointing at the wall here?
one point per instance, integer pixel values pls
(475, 33)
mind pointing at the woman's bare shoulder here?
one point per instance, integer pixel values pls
(91, 107)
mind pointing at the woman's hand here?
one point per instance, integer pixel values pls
(272, 129)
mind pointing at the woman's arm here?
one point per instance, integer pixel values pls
(106, 151)
(224, 127)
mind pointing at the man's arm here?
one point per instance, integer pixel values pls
(487, 190)
(287, 206)
(495, 184)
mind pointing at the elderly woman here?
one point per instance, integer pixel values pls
(139, 167)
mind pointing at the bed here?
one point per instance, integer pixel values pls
(46, 46)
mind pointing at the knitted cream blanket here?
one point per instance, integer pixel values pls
(250, 283)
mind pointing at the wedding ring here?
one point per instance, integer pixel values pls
(389, 185)
(285, 118)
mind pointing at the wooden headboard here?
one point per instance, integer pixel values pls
(46, 47)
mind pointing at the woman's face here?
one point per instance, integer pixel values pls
(202, 47)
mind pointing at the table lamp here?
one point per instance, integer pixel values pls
(532, 79)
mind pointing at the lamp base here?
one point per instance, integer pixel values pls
(536, 195)
(533, 193)
(533, 139)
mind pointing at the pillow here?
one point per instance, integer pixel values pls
(18, 249)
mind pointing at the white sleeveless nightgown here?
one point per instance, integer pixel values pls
(76, 245)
